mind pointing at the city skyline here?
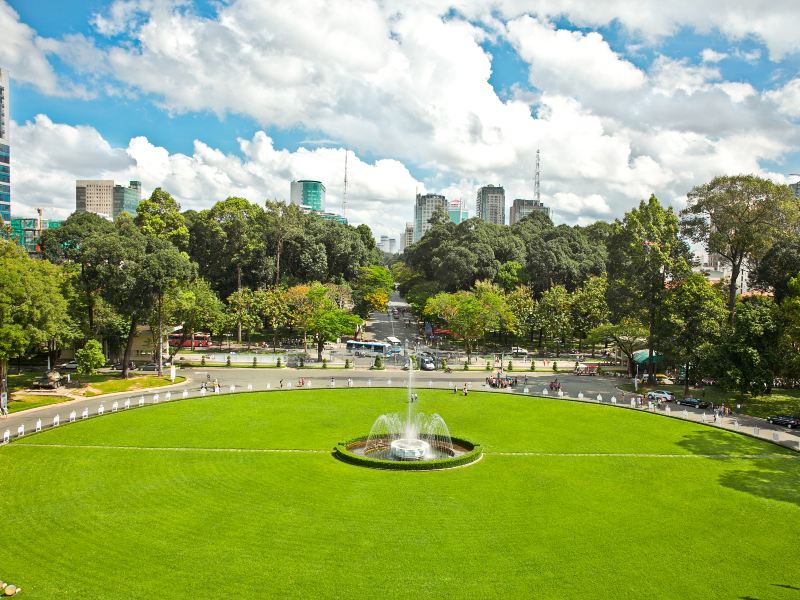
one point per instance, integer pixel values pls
(622, 104)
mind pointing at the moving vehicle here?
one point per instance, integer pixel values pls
(784, 421)
(519, 352)
(664, 395)
(426, 361)
(198, 340)
(693, 402)
(368, 348)
(396, 346)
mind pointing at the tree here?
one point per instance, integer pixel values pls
(160, 216)
(196, 307)
(644, 253)
(554, 308)
(589, 307)
(628, 335)
(789, 343)
(523, 306)
(243, 311)
(321, 318)
(32, 307)
(272, 306)
(90, 358)
(285, 221)
(371, 290)
(509, 275)
(695, 313)
(738, 217)
(777, 267)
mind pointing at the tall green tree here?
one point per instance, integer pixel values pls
(644, 253)
(285, 221)
(160, 216)
(321, 318)
(243, 312)
(695, 313)
(372, 289)
(589, 307)
(778, 267)
(555, 309)
(272, 306)
(627, 335)
(196, 308)
(738, 217)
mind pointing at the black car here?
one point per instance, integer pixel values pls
(784, 421)
(693, 402)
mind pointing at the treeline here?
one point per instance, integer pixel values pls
(240, 267)
(629, 283)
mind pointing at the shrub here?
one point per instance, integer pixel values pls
(279, 364)
(555, 367)
(510, 366)
(444, 364)
(90, 358)
(488, 366)
(255, 362)
(346, 363)
(466, 365)
(533, 365)
(324, 363)
(228, 361)
(378, 364)
(203, 361)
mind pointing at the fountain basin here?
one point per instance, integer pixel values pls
(410, 449)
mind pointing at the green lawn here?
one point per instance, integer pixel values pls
(780, 401)
(159, 508)
(25, 401)
(109, 385)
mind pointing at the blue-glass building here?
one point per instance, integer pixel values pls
(308, 193)
(5, 149)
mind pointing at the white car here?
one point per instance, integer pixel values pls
(519, 352)
(661, 395)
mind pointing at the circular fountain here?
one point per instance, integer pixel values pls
(412, 440)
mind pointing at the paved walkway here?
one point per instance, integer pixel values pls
(593, 390)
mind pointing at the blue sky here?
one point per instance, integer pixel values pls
(616, 102)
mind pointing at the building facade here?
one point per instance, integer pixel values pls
(522, 207)
(426, 205)
(126, 199)
(5, 148)
(308, 193)
(796, 187)
(457, 211)
(27, 231)
(102, 197)
(491, 204)
(408, 236)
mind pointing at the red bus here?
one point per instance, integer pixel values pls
(200, 340)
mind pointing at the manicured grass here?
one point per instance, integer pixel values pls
(25, 401)
(116, 384)
(786, 402)
(654, 520)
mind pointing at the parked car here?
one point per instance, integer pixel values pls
(784, 421)
(665, 395)
(149, 367)
(69, 366)
(426, 361)
(519, 352)
(693, 402)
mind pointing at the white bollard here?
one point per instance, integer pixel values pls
(72, 416)
(560, 393)
(776, 436)
(288, 385)
(389, 382)
(369, 382)
(185, 394)
(685, 414)
(6, 436)
(736, 425)
(544, 391)
(269, 386)
(599, 397)
(115, 406)
(217, 389)
(56, 420)
(101, 409)
(308, 383)
(668, 410)
(430, 384)
(613, 399)
(21, 430)
(755, 431)
(526, 390)
(580, 395)
(232, 389)
(249, 387)
(38, 424)
(155, 398)
(168, 396)
(84, 414)
(202, 391)
(141, 400)
(703, 418)
(633, 403)
(450, 384)
(127, 404)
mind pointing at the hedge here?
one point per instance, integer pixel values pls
(474, 453)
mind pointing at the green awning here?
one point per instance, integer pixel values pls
(641, 357)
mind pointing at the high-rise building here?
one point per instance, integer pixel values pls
(126, 199)
(522, 207)
(457, 211)
(387, 244)
(308, 193)
(426, 205)
(392, 246)
(408, 236)
(5, 148)
(491, 204)
(102, 197)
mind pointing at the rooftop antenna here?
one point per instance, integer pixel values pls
(344, 195)
(536, 191)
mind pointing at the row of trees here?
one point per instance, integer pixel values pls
(629, 283)
(236, 266)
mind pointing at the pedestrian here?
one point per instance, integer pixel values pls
(280, 383)
(4, 405)
(526, 380)
(455, 390)
(465, 389)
